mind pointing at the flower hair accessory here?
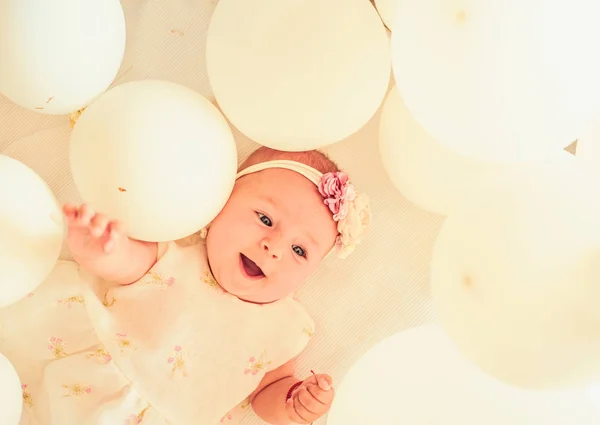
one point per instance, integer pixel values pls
(349, 209)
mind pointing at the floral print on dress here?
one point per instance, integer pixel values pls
(100, 355)
(245, 405)
(68, 302)
(226, 418)
(125, 343)
(76, 390)
(177, 362)
(210, 280)
(57, 347)
(256, 365)
(159, 281)
(242, 407)
(106, 302)
(27, 399)
(136, 419)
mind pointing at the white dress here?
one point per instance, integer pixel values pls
(172, 348)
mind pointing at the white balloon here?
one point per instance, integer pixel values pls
(588, 145)
(515, 275)
(11, 395)
(426, 172)
(498, 80)
(31, 230)
(155, 155)
(418, 377)
(57, 56)
(387, 10)
(298, 75)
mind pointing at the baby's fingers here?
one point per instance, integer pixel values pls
(85, 215)
(99, 225)
(70, 211)
(79, 216)
(320, 397)
(296, 412)
(112, 237)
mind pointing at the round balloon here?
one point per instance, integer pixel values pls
(426, 172)
(62, 54)
(498, 80)
(31, 230)
(588, 145)
(387, 10)
(418, 377)
(296, 76)
(155, 155)
(11, 394)
(515, 274)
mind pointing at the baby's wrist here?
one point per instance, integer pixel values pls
(292, 389)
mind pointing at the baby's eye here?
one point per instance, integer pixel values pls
(265, 220)
(299, 251)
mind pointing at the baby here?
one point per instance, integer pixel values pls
(196, 331)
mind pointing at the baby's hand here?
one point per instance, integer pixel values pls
(311, 400)
(89, 234)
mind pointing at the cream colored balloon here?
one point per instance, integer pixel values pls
(515, 275)
(498, 80)
(298, 75)
(11, 395)
(58, 56)
(31, 230)
(156, 156)
(588, 145)
(426, 172)
(418, 377)
(387, 10)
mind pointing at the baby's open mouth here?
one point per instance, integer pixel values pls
(250, 267)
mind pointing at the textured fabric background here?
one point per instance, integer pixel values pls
(381, 289)
(355, 303)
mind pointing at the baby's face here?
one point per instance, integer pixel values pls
(270, 237)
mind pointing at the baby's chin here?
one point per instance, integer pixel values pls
(248, 293)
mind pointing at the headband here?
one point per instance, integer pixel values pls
(349, 209)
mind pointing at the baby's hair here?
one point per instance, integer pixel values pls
(315, 159)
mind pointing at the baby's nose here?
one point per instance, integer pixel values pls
(271, 249)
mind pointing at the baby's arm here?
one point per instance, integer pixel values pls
(97, 245)
(281, 398)
(269, 399)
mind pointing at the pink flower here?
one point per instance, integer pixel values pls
(53, 339)
(88, 390)
(352, 228)
(171, 359)
(24, 386)
(177, 348)
(171, 281)
(252, 359)
(337, 191)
